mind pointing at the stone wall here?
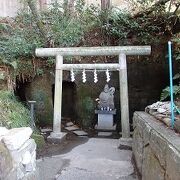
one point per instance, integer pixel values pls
(156, 149)
(17, 154)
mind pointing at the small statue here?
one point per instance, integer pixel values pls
(111, 97)
(106, 98)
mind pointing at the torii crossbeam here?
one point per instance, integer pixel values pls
(121, 66)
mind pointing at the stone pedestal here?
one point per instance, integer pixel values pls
(125, 143)
(105, 120)
(56, 137)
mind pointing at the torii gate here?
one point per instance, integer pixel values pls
(121, 51)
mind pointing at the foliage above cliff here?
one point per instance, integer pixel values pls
(60, 26)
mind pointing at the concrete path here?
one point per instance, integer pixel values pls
(97, 159)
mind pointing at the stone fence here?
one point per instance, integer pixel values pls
(156, 149)
(17, 154)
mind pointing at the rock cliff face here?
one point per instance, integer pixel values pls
(156, 149)
(146, 79)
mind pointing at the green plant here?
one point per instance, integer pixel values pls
(166, 92)
(19, 37)
(39, 139)
(12, 113)
(87, 111)
(57, 26)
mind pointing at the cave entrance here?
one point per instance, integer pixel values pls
(20, 90)
(68, 100)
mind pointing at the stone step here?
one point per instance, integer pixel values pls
(80, 133)
(72, 128)
(69, 124)
(105, 128)
(104, 134)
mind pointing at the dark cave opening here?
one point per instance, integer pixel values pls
(69, 99)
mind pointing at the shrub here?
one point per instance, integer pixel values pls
(13, 114)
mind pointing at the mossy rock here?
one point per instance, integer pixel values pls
(39, 139)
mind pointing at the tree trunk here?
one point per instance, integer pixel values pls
(33, 8)
(105, 4)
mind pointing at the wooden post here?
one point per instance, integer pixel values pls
(124, 96)
(58, 96)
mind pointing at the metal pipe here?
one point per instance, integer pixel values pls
(32, 113)
(94, 51)
(171, 83)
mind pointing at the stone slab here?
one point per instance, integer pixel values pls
(56, 138)
(113, 128)
(69, 124)
(80, 133)
(105, 112)
(72, 128)
(45, 130)
(105, 134)
(17, 137)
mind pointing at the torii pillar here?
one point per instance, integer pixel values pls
(121, 66)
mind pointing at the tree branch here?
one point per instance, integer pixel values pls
(33, 8)
(151, 9)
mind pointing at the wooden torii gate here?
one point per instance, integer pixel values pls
(121, 66)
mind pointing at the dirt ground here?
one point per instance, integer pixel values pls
(50, 149)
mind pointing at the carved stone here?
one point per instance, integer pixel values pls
(106, 98)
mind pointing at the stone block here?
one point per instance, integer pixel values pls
(80, 133)
(11, 175)
(173, 163)
(29, 146)
(137, 147)
(3, 131)
(151, 168)
(31, 176)
(146, 135)
(105, 134)
(6, 164)
(156, 150)
(56, 138)
(46, 130)
(105, 121)
(177, 125)
(159, 146)
(72, 128)
(69, 124)
(17, 137)
(125, 143)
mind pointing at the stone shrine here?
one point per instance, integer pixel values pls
(106, 109)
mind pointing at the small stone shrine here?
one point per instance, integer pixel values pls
(106, 109)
